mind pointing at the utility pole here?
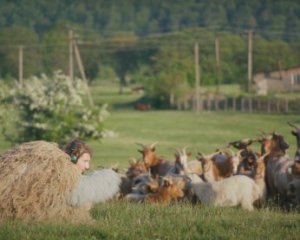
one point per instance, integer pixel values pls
(217, 49)
(82, 72)
(197, 75)
(71, 61)
(21, 64)
(250, 36)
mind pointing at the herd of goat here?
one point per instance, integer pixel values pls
(224, 178)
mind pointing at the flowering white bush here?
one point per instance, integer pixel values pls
(50, 109)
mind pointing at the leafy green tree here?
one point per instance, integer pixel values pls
(11, 39)
(55, 48)
(172, 74)
(124, 58)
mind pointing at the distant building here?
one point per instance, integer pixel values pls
(277, 81)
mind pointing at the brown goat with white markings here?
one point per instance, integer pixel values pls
(216, 166)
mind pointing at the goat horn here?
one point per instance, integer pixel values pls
(142, 145)
(200, 154)
(153, 145)
(176, 150)
(293, 125)
(184, 149)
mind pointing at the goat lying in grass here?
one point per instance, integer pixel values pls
(137, 167)
(229, 192)
(158, 190)
(141, 186)
(169, 190)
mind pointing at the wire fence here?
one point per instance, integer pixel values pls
(241, 104)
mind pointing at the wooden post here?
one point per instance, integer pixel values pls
(197, 80)
(216, 103)
(242, 104)
(269, 106)
(286, 105)
(71, 61)
(234, 104)
(226, 104)
(250, 35)
(217, 49)
(277, 105)
(21, 64)
(250, 104)
(258, 103)
(82, 72)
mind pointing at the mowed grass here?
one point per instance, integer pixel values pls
(200, 132)
(121, 220)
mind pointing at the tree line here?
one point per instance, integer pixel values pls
(150, 42)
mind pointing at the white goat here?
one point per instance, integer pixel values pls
(229, 192)
(183, 166)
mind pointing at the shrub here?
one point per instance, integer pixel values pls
(51, 109)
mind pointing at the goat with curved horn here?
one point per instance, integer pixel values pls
(294, 126)
(153, 145)
(142, 145)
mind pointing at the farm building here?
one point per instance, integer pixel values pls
(278, 81)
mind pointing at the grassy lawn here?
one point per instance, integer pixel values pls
(203, 132)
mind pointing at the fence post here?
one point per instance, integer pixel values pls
(286, 105)
(216, 103)
(278, 105)
(234, 104)
(269, 106)
(226, 104)
(242, 104)
(258, 101)
(250, 104)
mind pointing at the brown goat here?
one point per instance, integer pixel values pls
(277, 165)
(296, 133)
(168, 191)
(216, 168)
(247, 163)
(136, 168)
(157, 165)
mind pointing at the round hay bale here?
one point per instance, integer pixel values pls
(36, 180)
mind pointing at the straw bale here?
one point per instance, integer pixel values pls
(36, 180)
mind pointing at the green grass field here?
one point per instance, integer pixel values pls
(202, 132)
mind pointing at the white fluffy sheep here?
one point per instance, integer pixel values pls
(95, 187)
(229, 192)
